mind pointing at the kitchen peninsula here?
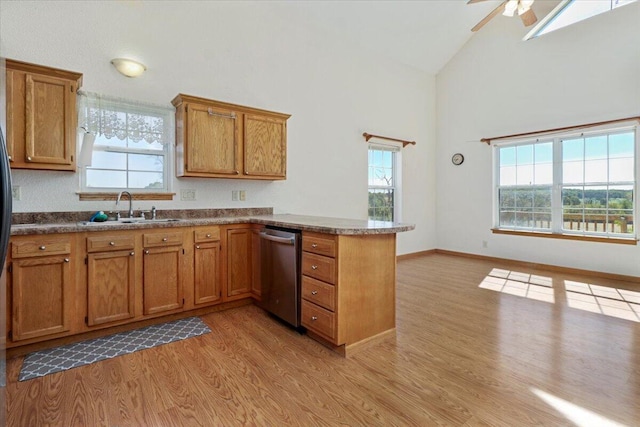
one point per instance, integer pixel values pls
(99, 278)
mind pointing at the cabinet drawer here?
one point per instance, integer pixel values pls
(211, 234)
(319, 267)
(318, 292)
(109, 243)
(40, 246)
(161, 239)
(319, 245)
(318, 320)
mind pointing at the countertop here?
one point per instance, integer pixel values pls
(298, 222)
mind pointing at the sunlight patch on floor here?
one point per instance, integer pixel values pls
(605, 300)
(520, 284)
(578, 415)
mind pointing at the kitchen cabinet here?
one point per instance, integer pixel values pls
(256, 262)
(40, 287)
(238, 262)
(220, 140)
(110, 278)
(41, 116)
(162, 272)
(348, 287)
(206, 266)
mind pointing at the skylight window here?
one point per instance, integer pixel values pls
(569, 12)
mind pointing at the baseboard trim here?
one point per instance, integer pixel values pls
(415, 254)
(550, 267)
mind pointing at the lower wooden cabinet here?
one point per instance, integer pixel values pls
(206, 264)
(40, 287)
(256, 263)
(110, 286)
(238, 254)
(162, 288)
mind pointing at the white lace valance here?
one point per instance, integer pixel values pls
(124, 118)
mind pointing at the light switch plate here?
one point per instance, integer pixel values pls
(16, 193)
(243, 195)
(187, 195)
(234, 195)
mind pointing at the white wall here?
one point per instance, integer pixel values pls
(250, 53)
(498, 85)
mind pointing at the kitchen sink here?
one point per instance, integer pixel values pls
(131, 221)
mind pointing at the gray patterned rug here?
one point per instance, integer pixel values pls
(58, 359)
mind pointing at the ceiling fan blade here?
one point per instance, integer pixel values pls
(498, 10)
(475, 1)
(529, 18)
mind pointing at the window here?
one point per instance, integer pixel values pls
(384, 185)
(132, 144)
(569, 12)
(581, 184)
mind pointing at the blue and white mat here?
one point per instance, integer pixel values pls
(58, 359)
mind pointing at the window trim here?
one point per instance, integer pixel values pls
(397, 177)
(556, 207)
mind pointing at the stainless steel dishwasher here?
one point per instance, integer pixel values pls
(280, 263)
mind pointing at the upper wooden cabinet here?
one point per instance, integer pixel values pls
(220, 140)
(41, 116)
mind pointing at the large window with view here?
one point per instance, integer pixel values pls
(131, 147)
(573, 184)
(384, 183)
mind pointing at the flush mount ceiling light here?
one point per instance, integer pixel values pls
(128, 67)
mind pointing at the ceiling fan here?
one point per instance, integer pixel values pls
(509, 8)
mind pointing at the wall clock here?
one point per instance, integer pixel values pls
(457, 159)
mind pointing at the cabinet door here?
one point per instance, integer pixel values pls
(206, 271)
(41, 297)
(110, 286)
(10, 135)
(265, 146)
(162, 285)
(238, 262)
(256, 264)
(49, 120)
(212, 140)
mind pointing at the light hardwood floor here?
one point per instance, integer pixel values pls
(463, 356)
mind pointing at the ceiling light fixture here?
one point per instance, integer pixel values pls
(510, 7)
(128, 67)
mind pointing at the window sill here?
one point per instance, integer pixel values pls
(616, 240)
(113, 196)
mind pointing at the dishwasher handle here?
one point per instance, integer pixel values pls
(285, 240)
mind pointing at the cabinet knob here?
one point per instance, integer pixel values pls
(208, 236)
(314, 292)
(197, 246)
(146, 252)
(132, 253)
(66, 260)
(112, 243)
(10, 159)
(314, 245)
(314, 267)
(42, 248)
(164, 239)
(314, 318)
(28, 158)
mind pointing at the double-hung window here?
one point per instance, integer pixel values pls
(384, 182)
(572, 183)
(132, 144)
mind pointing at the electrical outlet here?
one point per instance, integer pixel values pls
(15, 192)
(187, 195)
(243, 195)
(234, 195)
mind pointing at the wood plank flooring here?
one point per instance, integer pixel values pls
(463, 356)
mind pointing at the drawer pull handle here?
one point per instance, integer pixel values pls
(132, 253)
(314, 245)
(314, 267)
(112, 243)
(314, 292)
(42, 248)
(208, 236)
(164, 239)
(66, 260)
(314, 317)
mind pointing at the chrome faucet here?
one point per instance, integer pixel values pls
(130, 202)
